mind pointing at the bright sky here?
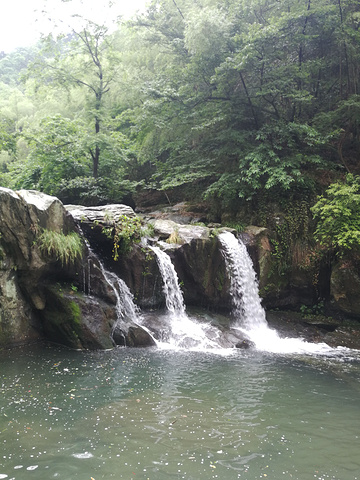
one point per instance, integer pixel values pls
(23, 21)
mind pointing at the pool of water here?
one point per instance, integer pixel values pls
(162, 414)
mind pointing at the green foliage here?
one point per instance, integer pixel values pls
(292, 237)
(85, 61)
(337, 214)
(14, 64)
(7, 136)
(314, 310)
(148, 230)
(56, 154)
(230, 98)
(123, 232)
(65, 248)
(239, 227)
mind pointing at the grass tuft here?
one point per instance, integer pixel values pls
(65, 248)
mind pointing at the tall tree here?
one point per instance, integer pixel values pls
(84, 60)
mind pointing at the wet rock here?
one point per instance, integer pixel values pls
(106, 214)
(245, 344)
(36, 291)
(202, 272)
(233, 338)
(76, 320)
(182, 233)
(119, 336)
(138, 337)
(345, 288)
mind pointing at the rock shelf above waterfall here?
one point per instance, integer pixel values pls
(184, 233)
(106, 214)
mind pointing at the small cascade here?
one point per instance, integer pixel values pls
(89, 277)
(243, 283)
(247, 309)
(173, 295)
(181, 331)
(125, 306)
(126, 310)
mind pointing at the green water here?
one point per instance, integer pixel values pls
(152, 414)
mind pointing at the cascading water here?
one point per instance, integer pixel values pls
(243, 283)
(247, 310)
(181, 331)
(126, 310)
(173, 295)
(125, 306)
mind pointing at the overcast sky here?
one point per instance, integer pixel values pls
(23, 21)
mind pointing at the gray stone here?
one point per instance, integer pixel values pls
(36, 291)
(105, 215)
(184, 233)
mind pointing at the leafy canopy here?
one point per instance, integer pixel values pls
(338, 216)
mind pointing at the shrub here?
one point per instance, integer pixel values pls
(124, 232)
(338, 216)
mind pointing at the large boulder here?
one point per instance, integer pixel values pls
(41, 297)
(168, 229)
(202, 272)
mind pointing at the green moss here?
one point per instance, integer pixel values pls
(62, 318)
(76, 313)
(124, 232)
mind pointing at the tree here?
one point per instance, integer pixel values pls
(84, 60)
(57, 154)
(235, 89)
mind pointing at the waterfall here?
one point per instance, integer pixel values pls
(247, 309)
(125, 306)
(126, 310)
(243, 283)
(173, 295)
(181, 330)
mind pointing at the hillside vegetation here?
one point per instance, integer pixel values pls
(237, 105)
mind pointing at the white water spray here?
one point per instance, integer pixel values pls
(173, 295)
(125, 306)
(126, 309)
(247, 310)
(182, 331)
(243, 283)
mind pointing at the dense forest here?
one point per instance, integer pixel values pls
(234, 105)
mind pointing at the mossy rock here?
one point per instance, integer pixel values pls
(76, 320)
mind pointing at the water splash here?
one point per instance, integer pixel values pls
(247, 309)
(173, 295)
(126, 310)
(181, 330)
(243, 283)
(125, 306)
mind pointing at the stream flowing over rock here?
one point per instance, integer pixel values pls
(75, 304)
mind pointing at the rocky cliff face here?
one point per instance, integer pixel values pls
(75, 304)
(40, 296)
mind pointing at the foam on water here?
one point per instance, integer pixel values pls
(183, 332)
(248, 312)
